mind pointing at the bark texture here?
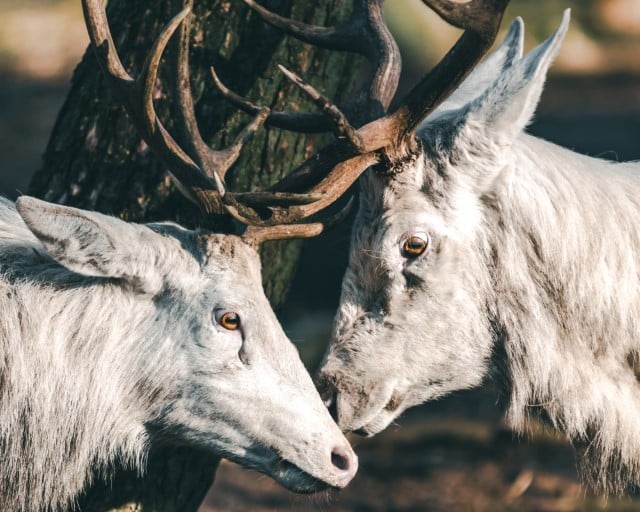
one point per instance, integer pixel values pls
(96, 160)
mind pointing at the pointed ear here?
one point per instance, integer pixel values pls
(485, 73)
(508, 105)
(93, 244)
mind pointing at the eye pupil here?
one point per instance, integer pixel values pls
(230, 321)
(415, 245)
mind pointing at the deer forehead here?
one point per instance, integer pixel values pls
(229, 253)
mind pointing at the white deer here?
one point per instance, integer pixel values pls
(117, 336)
(486, 247)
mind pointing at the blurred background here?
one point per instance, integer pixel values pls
(455, 454)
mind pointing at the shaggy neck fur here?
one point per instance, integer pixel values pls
(66, 405)
(566, 272)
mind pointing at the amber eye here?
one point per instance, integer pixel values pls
(229, 320)
(414, 245)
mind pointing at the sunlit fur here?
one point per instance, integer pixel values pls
(98, 368)
(533, 270)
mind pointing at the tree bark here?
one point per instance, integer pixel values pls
(96, 160)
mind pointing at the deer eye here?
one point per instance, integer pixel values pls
(414, 244)
(229, 320)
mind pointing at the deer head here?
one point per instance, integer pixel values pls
(417, 316)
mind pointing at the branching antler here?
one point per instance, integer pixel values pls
(137, 97)
(198, 170)
(364, 33)
(480, 20)
(383, 136)
(367, 133)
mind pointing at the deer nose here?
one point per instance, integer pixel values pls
(345, 465)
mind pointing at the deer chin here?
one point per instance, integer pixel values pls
(297, 468)
(371, 412)
(297, 480)
(384, 416)
(286, 473)
(377, 424)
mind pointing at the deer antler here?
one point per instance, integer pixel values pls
(363, 33)
(480, 20)
(198, 170)
(372, 135)
(380, 136)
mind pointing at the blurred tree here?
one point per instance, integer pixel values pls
(96, 160)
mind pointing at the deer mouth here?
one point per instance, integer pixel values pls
(367, 413)
(383, 418)
(296, 479)
(287, 474)
(303, 481)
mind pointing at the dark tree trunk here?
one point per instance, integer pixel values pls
(96, 160)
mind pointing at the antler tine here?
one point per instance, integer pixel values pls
(383, 54)
(293, 121)
(185, 111)
(256, 235)
(342, 176)
(342, 126)
(338, 38)
(471, 15)
(365, 33)
(96, 21)
(224, 159)
(199, 171)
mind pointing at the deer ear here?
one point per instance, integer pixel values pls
(485, 73)
(509, 104)
(90, 243)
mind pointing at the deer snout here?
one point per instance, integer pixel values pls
(356, 408)
(345, 465)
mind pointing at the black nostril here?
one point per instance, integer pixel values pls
(340, 459)
(345, 465)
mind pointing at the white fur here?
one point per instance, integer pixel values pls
(119, 349)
